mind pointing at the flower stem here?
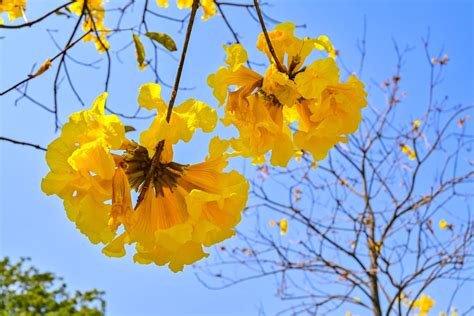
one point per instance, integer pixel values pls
(267, 38)
(182, 59)
(160, 146)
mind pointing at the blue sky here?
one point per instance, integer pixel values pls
(34, 225)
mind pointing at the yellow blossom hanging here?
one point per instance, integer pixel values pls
(184, 207)
(423, 304)
(264, 107)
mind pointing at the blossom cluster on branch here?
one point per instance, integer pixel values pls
(185, 207)
(307, 99)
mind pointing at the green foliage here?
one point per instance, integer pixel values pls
(140, 51)
(25, 291)
(163, 39)
(129, 128)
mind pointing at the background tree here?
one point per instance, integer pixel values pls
(24, 290)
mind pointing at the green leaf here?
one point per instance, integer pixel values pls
(62, 13)
(129, 128)
(164, 39)
(140, 50)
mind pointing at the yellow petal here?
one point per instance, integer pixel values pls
(91, 218)
(187, 254)
(323, 43)
(282, 151)
(236, 56)
(186, 118)
(122, 209)
(209, 8)
(149, 97)
(217, 147)
(321, 73)
(93, 157)
(116, 248)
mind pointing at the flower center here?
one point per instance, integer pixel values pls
(271, 98)
(138, 164)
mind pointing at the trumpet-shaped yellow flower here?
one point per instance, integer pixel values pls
(262, 107)
(191, 206)
(82, 168)
(182, 208)
(14, 8)
(424, 304)
(208, 6)
(325, 122)
(94, 12)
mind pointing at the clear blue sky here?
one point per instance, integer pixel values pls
(34, 225)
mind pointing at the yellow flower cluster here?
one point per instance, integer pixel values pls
(309, 98)
(208, 6)
(14, 8)
(184, 207)
(94, 22)
(407, 150)
(424, 304)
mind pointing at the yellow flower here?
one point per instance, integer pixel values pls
(443, 224)
(416, 124)
(82, 168)
(94, 21)
(259, 120)
(283, 224)
(408, 151)
(405, 148)
(14, 8)
(325, 123)
(262, 107)
(317, 77)
(424, 304)
(190, 207)
(183, 208)
(208, 6)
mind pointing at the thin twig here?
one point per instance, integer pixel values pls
(182, 59)
(22, 143)
(51, 59)
(267, 38)
(160, 146)
(31, 23)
